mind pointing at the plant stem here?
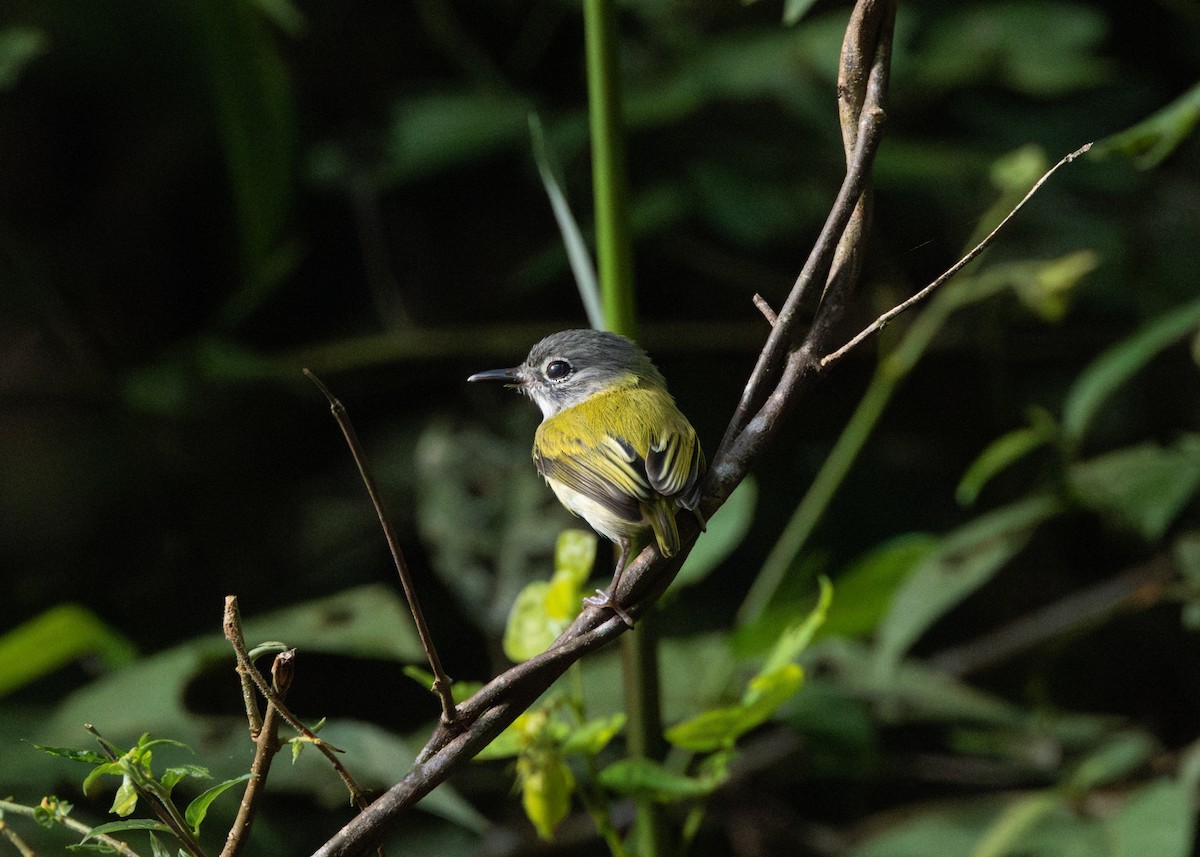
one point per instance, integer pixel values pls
(614, 257)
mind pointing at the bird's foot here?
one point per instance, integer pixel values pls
(602, 599)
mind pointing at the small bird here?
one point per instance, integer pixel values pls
(612, 444)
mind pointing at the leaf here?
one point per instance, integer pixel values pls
(572, 238)
(19, 46)
(126, 798)
(1156, 819)
(794, 10)
(90, 757)
(593, 736)
(1117, 758)
(198, 808)
(546, 788)
(795, 639)
(1142, 488)
(530, 630)
(725, 532)
(714, 729)
(109, 828)
(645, 778)
(1150, 141)
(965, 560)
(1003, 452)
(1117, 365)
(866, 588)
(54, 639)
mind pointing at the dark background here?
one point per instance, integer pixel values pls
(199, 197)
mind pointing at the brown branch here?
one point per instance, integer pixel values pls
(441, 682)
(786, 360)
(233, 633)
(884, 319)
(266, 745)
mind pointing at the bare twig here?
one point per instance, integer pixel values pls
(117, 846)
(883, 320)
(233, 633)
(266, 745)
(441, 682)
(765, 309)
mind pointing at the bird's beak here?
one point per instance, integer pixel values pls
(508, 376)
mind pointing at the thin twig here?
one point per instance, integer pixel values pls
(765, 309)
(266, 745)
(15, 840)
(441, 681)
(882, 321)
(233, 633)
(80, 827)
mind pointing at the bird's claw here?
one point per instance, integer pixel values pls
(602, 599)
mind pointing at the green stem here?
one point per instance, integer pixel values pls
(614, 260)
(614, 256)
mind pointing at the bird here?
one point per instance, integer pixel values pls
(612, 444)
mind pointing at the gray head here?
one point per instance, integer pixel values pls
(567, 367)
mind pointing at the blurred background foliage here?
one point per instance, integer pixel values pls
(199, 197)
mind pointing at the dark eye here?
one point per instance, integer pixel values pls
(558, 369)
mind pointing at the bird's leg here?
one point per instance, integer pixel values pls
(603, 599)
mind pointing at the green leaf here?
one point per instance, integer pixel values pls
(714, 729)
(19, 46)
(794, 10)
(1122, 754)
(644, 778)
(1156, 819)
(54, 639)
(198, 808)
(866, 588)
(90, 787)
(126, 798)
(1142, 488)
(109, 828)
(90, 757)
(574, 555)
(1117, 365)
(546, 788)
(172, 776)
(965, 560)
(593, 736)
(795, 639)
(1005, 451)
(766, 692)
(725, 532)
(1150, 141)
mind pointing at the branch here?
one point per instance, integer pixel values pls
(770, 391)
(441, 682)
(233, 633)
(884, 319)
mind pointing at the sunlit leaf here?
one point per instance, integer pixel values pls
(795, 638)
(55, 638)
(546, 787)
(198, 808)
(593, 736)
(650, 779)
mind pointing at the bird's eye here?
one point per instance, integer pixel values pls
(558, 369)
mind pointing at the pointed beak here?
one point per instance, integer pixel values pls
(508, 376)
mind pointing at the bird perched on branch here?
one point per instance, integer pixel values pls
(612, 444)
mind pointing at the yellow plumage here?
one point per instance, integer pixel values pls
(612, 444)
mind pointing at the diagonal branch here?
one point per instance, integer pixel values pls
(786, 360)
